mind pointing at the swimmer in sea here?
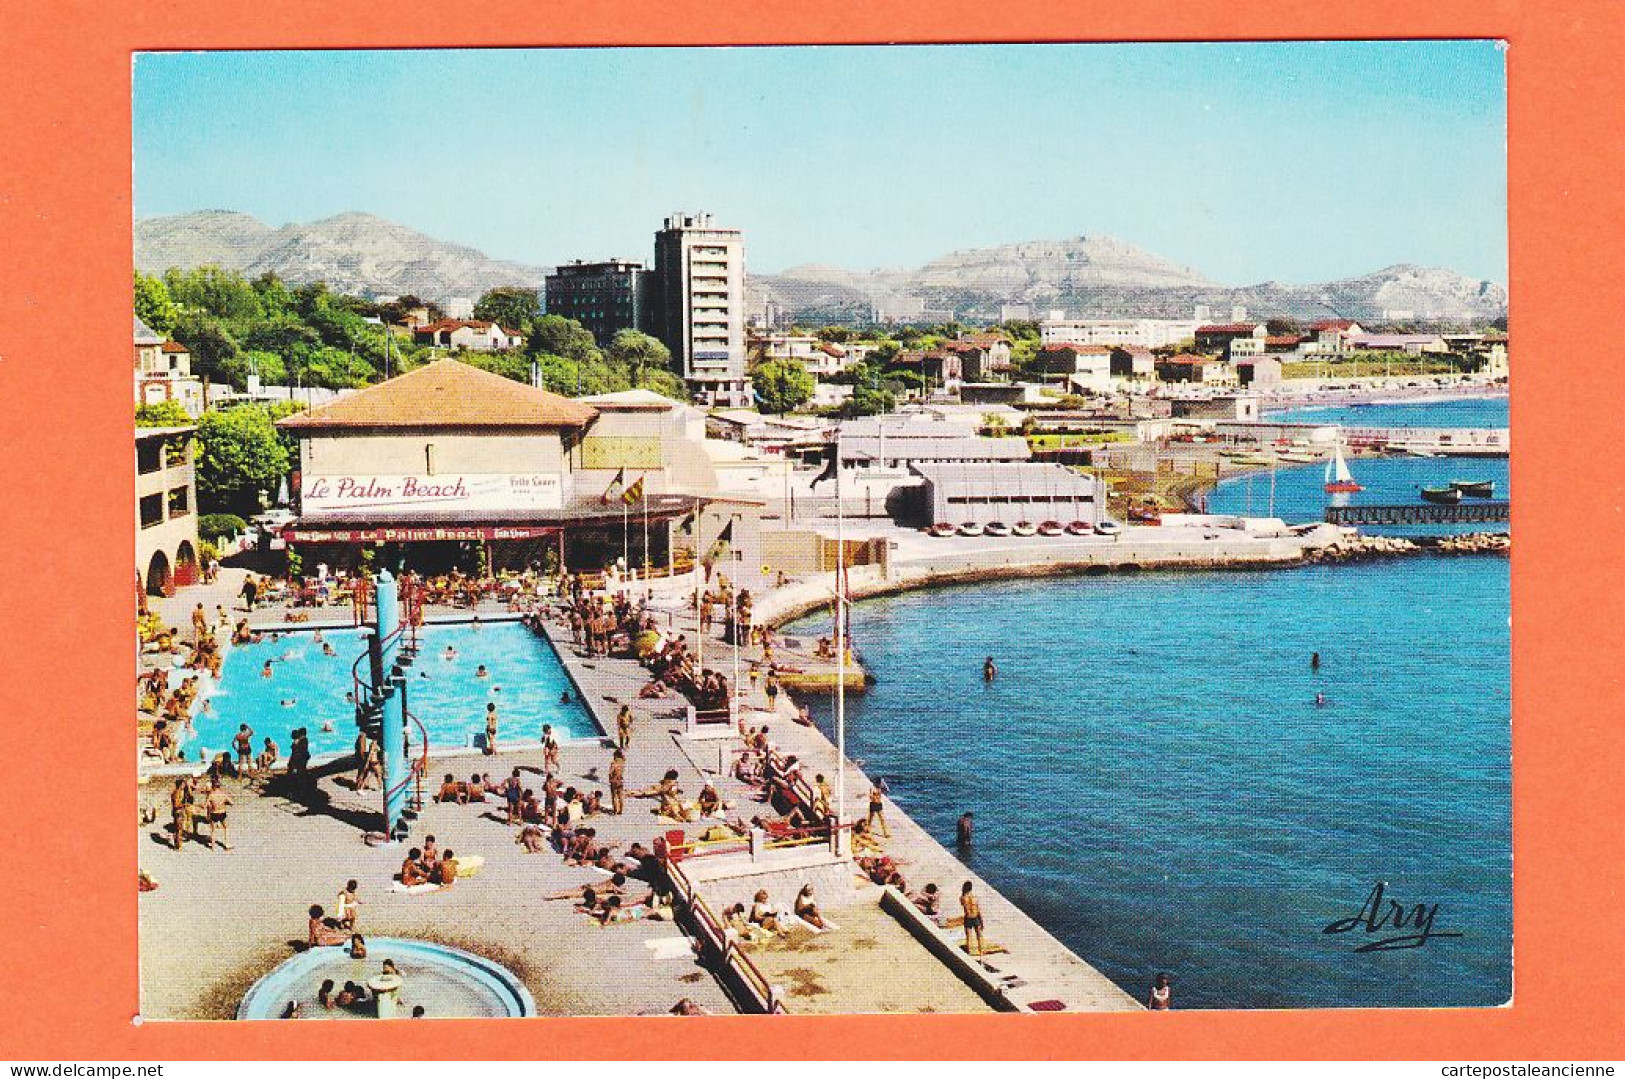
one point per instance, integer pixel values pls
(481, 672)
(989, 671)
(449, 653)
(564, 698)
(265, 671)
(1320, 700)
(327, 649)
(289, 702)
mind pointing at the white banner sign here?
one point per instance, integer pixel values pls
(490, 492)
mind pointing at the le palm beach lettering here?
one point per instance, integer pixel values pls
(1381, 915)
(370, 488)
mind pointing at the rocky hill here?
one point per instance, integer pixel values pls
(354, 252)
(1085, 276)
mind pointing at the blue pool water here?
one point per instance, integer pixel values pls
(525, 682)
(1153, 782)
(1454, 412)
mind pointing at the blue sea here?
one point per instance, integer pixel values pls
(1299, 496)
(1445, 412)
(1154, 782)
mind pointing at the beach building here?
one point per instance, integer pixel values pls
(1225, 407)
(605, 297)
(476, 335)
(1009, 491)
(1141, 332)
(1078, 367)
(166, 539)
(883, 444)
(1220, 336)
(163, 372)
(1133, 363)
(448, 465)
(1189, 368)
(1259, 371)
(700, 281)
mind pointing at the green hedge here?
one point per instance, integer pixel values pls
(212, 526)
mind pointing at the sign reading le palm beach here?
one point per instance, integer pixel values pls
(492, 491)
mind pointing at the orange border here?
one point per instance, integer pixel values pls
(69, 901)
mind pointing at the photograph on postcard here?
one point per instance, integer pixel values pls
(863, 529)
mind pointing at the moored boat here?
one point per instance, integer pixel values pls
(1051, 528)
(1025, 528)
(970, 528)
(1444, 496)
(1475, 488)
(1079, 528)
(996, 528)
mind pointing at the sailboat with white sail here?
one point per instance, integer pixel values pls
(1339, 480)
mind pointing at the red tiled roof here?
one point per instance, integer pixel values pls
(462, 323)
(446, 393)
(1284, 339)
(1332, 324)
(1082, 350)
(985, 338)
(1186, 359)
(175, 346)
(962, 346)
(1228, 327)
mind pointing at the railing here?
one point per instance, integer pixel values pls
(746, 975)
(1420, 513)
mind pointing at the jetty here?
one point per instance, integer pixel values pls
(1433, 441)
(1420, 513)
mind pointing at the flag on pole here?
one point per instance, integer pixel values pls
(633, 494)
(616, 486)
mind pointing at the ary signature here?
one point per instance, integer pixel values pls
(1401, 926)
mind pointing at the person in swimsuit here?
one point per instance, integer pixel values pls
(623, 727)
(989, 671)
(877, 812)
(617, 783)
(807, 910)
(973, 919)
(214, 804)
(349, 904)
(180, 811)
(244, 741)
(320, 934)
(490, 729)
(1161, 995)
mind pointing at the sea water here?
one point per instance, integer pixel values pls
(1299, 495)
(1155, 784)
(307, 688)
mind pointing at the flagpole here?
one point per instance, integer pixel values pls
(841, 839)
(733, 619)
(644, 491)
(699, 575)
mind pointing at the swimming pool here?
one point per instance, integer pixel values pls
(307, 688)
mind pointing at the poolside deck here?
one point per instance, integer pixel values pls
(220, 919)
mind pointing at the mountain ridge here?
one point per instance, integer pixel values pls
(1086, 275)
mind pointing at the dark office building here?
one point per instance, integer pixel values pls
(605, 297)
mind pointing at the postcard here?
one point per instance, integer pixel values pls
(859, 530)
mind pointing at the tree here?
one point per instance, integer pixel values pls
(511, 308)
(239, 457)
(782, 385)
(666, 383)
(1283, 327)
(638, 354)
(153, 304)
(162, 414)
(219, 292)
(555, 335)
(212, 345)
(869, 400)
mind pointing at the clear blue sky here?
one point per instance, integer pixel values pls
(1285, 161)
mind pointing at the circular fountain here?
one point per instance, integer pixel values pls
(448, 983)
